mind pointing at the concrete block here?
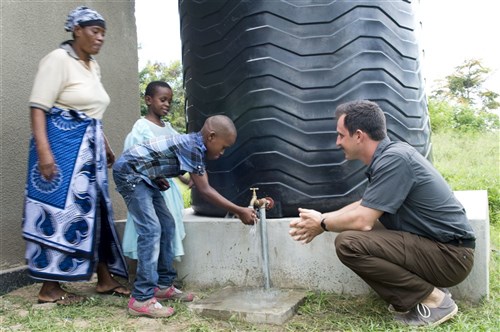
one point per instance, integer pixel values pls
(252, 305)
(224, 252)
(476, 286)
(221, 252)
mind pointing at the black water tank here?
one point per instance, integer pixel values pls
(279, 69)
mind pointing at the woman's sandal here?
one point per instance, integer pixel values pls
(66, 299)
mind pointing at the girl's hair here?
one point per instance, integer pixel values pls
(151, 88)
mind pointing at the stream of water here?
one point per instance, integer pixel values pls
(263, 241)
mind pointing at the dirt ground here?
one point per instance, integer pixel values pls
(29, 295)
(23, 304)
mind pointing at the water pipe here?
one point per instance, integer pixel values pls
(263, 204)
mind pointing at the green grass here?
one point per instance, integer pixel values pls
(471, 162)
(468, 162)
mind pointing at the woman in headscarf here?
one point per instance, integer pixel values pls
(68, 218)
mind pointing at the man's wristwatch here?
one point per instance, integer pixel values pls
(323, 225)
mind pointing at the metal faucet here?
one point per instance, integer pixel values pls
(266, 202)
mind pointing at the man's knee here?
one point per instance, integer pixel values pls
(346, 244)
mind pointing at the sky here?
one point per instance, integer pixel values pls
(452, 31)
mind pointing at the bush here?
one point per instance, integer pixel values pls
(445, 116)
(441, 114)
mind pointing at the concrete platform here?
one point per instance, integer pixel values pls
(223, 252)
(252, 305)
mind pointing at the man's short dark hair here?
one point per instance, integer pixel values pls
(364, 115)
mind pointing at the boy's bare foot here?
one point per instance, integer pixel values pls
(106, 284)
(116, 289)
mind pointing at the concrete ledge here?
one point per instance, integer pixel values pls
(477, 284)
(222, 252)
(14, 278)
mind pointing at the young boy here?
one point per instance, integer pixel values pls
(140, 175)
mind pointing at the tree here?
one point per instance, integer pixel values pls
(462, 103)
(465, 86)
(172, 74)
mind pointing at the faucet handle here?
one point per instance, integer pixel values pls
(254, 197)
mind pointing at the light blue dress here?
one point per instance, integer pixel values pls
(143, 130)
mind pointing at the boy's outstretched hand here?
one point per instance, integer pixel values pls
(247, 215)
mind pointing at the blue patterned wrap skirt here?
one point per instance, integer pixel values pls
(68, 221)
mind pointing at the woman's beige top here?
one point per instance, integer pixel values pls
(64, 81)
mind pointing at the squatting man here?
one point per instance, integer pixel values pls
(408, 237)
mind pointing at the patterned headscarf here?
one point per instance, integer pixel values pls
(84, 17)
